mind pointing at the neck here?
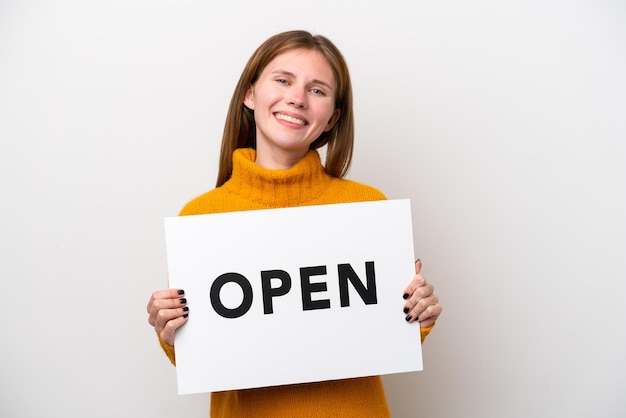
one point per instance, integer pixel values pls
(278, 159)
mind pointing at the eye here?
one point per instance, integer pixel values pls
(318, 91)
(282, 81)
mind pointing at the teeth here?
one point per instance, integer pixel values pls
(290, 119)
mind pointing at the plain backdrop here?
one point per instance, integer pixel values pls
(503, 121)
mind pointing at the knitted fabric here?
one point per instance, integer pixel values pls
(253, 187)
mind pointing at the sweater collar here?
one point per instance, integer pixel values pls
(298, 185)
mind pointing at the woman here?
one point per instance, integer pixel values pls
(293, 97)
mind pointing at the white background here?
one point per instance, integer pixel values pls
(503, 122)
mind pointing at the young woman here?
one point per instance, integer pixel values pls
(293, 97)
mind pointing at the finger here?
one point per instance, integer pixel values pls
(422, 305)
(417, 283)
(168, 332)
(430, 315)
(426, 308)
(423, 290)
(164, 305)
(166, 315)
(164, 294)
(418, 294)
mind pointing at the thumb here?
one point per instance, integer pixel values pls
(418, 266)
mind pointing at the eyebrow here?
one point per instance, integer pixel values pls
(314, 81)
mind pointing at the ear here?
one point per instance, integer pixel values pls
(333, 120)
(248, 99)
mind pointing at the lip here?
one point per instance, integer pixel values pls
(291, 118)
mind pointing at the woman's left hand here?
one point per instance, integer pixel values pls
(421, 303)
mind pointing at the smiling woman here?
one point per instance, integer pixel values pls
(508, 141)
(293, 97)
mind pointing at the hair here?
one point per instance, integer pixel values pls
(240, 128)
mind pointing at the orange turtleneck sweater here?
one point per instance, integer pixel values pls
(253, 187)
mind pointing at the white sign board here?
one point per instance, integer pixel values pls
(293, 295)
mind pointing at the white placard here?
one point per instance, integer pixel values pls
(264, 290)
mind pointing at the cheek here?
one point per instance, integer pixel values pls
(325, 114)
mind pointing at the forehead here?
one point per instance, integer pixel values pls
(303, 63)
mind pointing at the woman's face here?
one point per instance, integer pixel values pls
(293, 102)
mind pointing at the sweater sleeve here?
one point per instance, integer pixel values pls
(425, 331)
(171, 354)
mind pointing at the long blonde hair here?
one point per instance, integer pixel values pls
(240, 128)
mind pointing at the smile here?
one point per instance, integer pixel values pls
(290, 119)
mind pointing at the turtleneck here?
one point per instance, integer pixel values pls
(302, 183)
(252, 187)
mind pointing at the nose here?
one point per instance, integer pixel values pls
(297, 97)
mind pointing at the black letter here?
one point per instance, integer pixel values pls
(219, 307)
(346, 272)
(269, 291)
(308, 288)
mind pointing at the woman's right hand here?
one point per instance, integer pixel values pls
(167, 311)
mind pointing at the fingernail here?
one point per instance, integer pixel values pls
(185, 308)
(406, 310)
(181, 292)
(186, 315)
(405, 296)
(183, 300)
(408, 318)
(419, 259)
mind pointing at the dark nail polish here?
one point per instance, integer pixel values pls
(182, 300)
(185, 308)
(186, 315)
(181, 292)
(405, 296)
(419, 259)
(408, 318)
(406, 310)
